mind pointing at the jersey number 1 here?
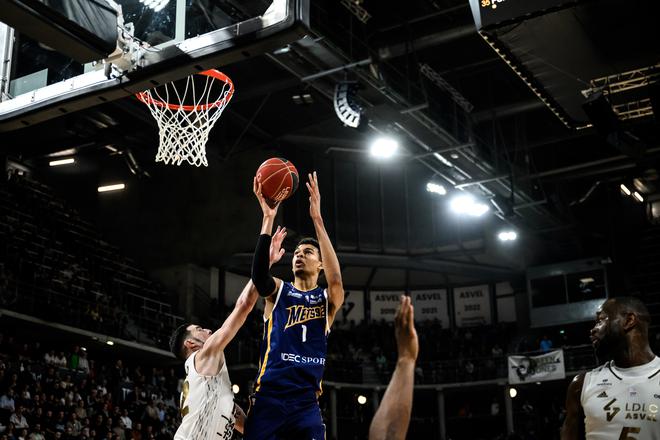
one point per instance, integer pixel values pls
(304, 332)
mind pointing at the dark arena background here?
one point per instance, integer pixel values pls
(496, 160)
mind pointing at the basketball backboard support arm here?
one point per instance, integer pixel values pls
(6, 38)
(284, 22)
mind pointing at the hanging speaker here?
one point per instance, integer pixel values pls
(346, 107)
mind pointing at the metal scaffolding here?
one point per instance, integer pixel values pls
(625, 81)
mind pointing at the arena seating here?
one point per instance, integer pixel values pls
(111, 401)
(55, 263)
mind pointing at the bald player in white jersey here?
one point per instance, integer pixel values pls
(619, 400)
(207, 399)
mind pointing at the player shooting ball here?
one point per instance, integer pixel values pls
(297, 319)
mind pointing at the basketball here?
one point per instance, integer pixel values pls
(279, 179)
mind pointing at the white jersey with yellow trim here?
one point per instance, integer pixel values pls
(622, 403)
(207, 405)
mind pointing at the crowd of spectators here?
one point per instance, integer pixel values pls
(365, 352)
(49, 269)
(64, 271)
(446, 355)
(51, 394)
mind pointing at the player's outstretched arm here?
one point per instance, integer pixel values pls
(217, 342)
(573, 427)
(393, 415)
(331, 266)
(265, 283)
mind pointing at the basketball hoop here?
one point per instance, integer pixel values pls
(185, 123)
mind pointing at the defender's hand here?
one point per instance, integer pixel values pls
(314, 196)
(240, 418)
(276, 250)
(404, 329)
(268, 210)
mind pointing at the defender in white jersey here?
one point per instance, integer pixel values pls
(621, 398)
(207, 400)
(207, 405)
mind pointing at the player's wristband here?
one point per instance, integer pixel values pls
(261, 276)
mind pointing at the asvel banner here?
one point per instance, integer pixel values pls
(431, 305)
(352, 309)
(384, 304)
(528, 369)
(472, 305)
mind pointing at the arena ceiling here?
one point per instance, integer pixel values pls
(508, 124)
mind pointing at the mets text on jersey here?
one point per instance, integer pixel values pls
(300, 313)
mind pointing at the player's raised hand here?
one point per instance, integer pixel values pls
(404, 329)
(314, 196)
(276, 249)
(268, 209)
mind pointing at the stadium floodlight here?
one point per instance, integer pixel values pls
(507, 236)
(638, 197)
(466, 204)
(235, 388)
(361, 399)
(625, 190)
(436, 188)
(115, 187)
(513, 392)
(60, 162)
(384, 147)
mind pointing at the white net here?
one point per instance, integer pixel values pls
(184, 125)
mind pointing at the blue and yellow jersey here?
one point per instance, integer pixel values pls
(295, 342)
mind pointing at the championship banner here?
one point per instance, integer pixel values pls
(431, 305)
(234, 285)
(472, 305)
(528, 369)
(384, 304)
(352, 309)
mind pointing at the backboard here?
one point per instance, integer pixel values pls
(160, 41)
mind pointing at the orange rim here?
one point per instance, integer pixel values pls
(147, 99)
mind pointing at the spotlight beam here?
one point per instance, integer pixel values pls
(384, 147)
(466, 204)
